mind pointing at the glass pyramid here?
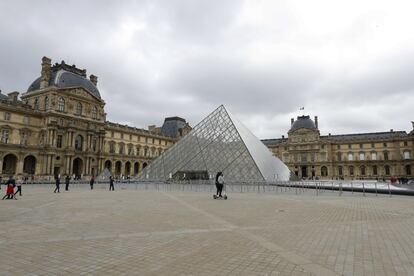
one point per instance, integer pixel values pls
(218, 143)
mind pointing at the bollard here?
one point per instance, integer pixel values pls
(376, 192)
(363, 188)
(389, 190)
(352, 187)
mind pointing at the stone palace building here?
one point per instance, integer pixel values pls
(59, 127)
(311, 155)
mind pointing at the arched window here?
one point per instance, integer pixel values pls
(46, 103)
(351, 170)
(78, 108)
(61, 104)
(94, 112)
(362, 170)
(36, 104)
(408, 170)
(340, 172)
(324, 171)
(79, 142)
(350, 156)
(387, 170)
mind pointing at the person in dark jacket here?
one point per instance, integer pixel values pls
(219, 183)
(10, 184)
(111, 183)
(92, 182)
(57, 183)
(67, 180)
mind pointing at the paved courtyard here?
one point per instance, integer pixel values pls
(173, 232)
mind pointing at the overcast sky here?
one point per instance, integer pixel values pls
(349, 62)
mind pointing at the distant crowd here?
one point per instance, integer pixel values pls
(14, 186)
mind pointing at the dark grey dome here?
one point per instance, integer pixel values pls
(303, 122)
(63, 79)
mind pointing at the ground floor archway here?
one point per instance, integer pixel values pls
(136, 168)
(29, 164)
(127, 168)
(9, 164)
(77, 167)
(118, 166)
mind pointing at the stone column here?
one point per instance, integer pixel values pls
(19, 169)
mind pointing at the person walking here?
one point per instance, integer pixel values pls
(111, 183)
(67, 180)
(92, 182)
(19, 183)
(11, 183)
(57, 189)
(219, 183)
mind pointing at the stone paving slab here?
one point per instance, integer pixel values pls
(150, 232)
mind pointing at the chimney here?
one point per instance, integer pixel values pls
(316, 121)
(13, 96)
(94, 79)
(283, 137)
(391, 130)
(45, 74)
(292, 121)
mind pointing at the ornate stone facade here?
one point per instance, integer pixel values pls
(351, 156)
(59, 127)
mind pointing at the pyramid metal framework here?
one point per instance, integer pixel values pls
(219, 143)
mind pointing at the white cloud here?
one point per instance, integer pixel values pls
(347, 61)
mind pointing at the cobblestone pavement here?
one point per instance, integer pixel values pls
(150, 232)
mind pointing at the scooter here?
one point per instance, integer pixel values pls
(224, 194)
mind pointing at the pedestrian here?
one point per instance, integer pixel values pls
(92, 181)
(67, 180)
(219, 183)
(19, 183)
(11, 183)
(111, 183)
(57, 184)
(1, 181)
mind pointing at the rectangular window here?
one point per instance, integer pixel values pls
(323, 147)
(7, 116)
(385, 155)
(349, 146)
(372, 145)
(25, 120)
(405, 143)
(338, 147)
(373, 156)
(111, 148)
(5, 136)
(361, 156)
(361, 146)
(122, 136)
(385, 145)
(59, 141)
(130, 137)
(112, 134)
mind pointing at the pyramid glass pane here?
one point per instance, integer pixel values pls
(218, 143)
